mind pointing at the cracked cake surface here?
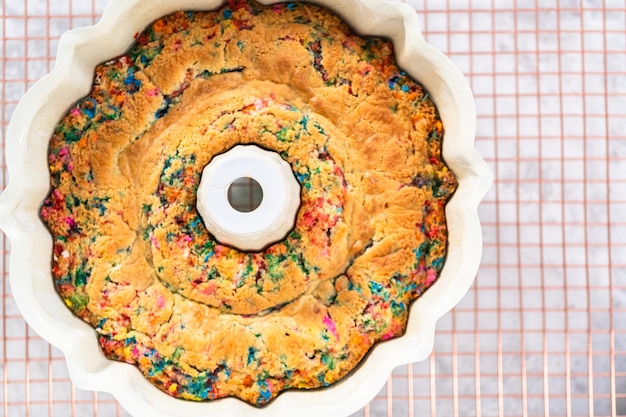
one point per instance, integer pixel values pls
(202, 320)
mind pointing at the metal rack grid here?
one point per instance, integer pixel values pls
(543, 330)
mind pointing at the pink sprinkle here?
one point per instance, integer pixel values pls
(328, 322)
(387, 336)
(64, 151)
(135, 352)
(308, 219)
(75, 111)
(153, 92)
(155, 242)
(269, 385)
(260, 104)
(160, 302)
(209, 289)
(70, 222)
(430, 276)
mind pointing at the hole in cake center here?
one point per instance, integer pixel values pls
(248, 197)
(245, 194)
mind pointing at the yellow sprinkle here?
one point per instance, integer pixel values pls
(187, 396)
(69, 303)
(172, 388)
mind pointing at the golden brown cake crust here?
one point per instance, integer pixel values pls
(202, 320)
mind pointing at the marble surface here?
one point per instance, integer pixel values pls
(543, 331)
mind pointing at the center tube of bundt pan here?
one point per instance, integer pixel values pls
(262, 223)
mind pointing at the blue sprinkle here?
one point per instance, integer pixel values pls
(264, 392)
(227, 14)
(437, 264)
(375, 286)
(251, 352)
(291, 6)
(424, 247)
(321, 377)
(133, 82)
(405, 88)
(302, 177)
(304, 121)
(201, 387)
(91, 113)
(397, 308)
(226, 369)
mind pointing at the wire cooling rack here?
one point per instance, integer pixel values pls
(543, 330)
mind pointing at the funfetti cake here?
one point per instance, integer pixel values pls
(203, 320)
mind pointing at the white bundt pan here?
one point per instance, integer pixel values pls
(31, 245)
